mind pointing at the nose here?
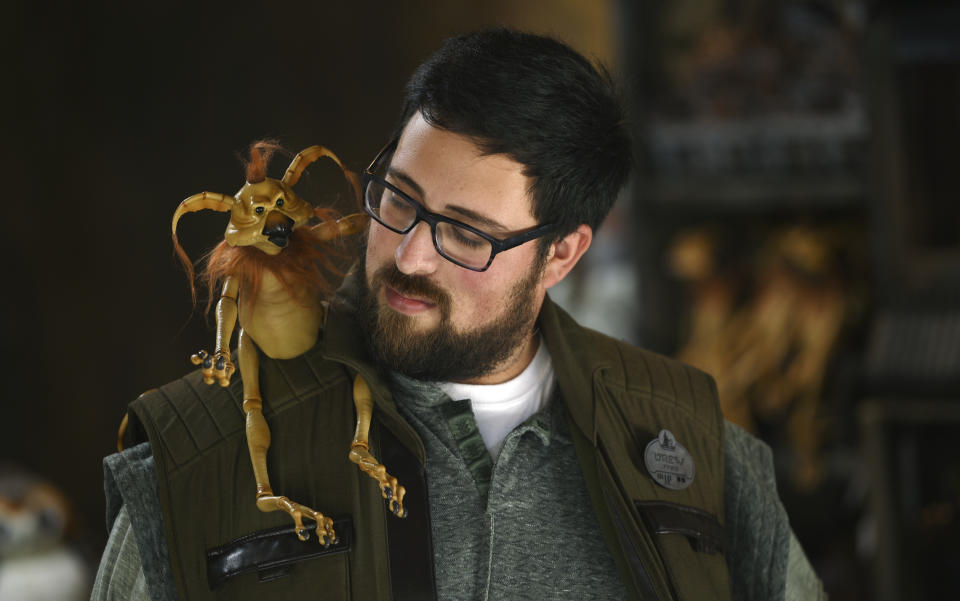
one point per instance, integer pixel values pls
(416, 253)
(277, 228)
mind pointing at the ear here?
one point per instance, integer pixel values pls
(565, 253)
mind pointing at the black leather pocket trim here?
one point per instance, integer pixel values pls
(272, 553)
(705, 532)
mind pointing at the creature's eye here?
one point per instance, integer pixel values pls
(259, 210)
(279, 202)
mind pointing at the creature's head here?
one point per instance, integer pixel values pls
(264, 215)
(265, 211)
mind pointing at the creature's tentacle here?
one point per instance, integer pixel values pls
(258, 441)
(360, 454)
(303, 159)
(198, 202)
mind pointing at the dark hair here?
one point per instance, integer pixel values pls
(542, 104)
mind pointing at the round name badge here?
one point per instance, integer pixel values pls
(669, 462)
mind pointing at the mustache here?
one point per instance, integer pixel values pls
(413, 285)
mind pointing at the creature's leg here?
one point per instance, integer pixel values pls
(258, 440)
(360, 450)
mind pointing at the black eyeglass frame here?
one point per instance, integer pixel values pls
(497, 245)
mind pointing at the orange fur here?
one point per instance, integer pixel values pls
(187, 266)
(261, 152)
(300, 266)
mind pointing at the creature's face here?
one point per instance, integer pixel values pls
(264, 215)
(450, 175)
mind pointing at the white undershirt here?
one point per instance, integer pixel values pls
(499, 408)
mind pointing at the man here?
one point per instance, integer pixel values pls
(540, 460)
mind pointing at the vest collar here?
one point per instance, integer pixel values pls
(576, 361)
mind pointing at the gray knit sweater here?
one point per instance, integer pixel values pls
(522, 528)
(519, 529)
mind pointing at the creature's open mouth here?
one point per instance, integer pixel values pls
(280, 241)
(278, 229)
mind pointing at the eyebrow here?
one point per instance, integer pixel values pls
(402, 176)
(472, 215)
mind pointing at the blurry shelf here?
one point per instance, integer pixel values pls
(766, 163)
(717, 193)
(912, 461)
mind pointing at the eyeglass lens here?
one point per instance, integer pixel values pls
(452, 241)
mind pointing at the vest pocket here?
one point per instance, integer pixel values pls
(690, 541)
(272, 553)
(702, 529)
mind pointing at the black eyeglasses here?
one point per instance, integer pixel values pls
(456, 241)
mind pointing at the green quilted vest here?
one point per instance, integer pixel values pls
(667, 544)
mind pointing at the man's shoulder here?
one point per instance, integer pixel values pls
(187, 415)
(663, 373)
(622, 364)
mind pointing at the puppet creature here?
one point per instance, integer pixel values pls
(268, 267)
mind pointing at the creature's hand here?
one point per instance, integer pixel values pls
(326, 535)
(390, 488)
(215, 367)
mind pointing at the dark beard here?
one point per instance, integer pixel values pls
(442, 354)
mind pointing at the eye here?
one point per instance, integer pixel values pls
(280, 202)
(467, 238)
(259, 210)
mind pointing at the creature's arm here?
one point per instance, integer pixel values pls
(345, 226)
(218, 366)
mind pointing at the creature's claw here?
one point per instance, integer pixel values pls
(215, 367)
(360, 454)
(326, 535)
(394, 501)
(390, 488)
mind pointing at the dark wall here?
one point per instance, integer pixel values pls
(113, 113)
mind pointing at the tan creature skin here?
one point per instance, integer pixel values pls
(282, 320)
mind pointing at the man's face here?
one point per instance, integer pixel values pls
(427, 317)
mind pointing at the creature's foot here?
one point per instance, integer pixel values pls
(325, 533)
(215, 367)
(390, 488)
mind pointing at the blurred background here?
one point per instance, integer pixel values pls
(793, 228)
